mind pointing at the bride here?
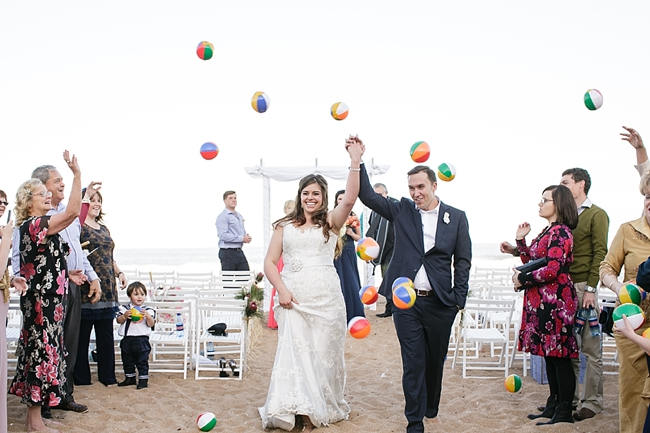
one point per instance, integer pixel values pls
(308, 377)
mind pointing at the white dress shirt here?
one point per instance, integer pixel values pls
(429, 228)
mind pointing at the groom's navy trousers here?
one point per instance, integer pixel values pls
(423, 332)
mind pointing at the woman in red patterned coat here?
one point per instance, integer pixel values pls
(550, 299)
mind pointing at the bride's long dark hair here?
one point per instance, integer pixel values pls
(297, 217)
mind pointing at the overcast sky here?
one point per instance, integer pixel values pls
(495, 87)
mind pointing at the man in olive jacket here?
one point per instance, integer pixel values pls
(589, 249)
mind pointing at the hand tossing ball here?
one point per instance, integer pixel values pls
(209, 150)
(420, 151)
(339, 111)
(260, 102)
(205, 50)
(206, 421)
(593, 99)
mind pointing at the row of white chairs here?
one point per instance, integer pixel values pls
(492, 316)
(199, 307)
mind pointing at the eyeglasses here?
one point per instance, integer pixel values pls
(3, 203)
(545, 200)
(43, 194)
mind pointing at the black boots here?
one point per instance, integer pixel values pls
(562, 414)
(127, 381)
(547, 411)
(142, 383)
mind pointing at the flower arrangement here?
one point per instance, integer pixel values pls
(253, 295)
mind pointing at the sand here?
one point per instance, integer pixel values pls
(374, 392)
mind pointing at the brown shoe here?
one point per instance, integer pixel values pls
(583, 413)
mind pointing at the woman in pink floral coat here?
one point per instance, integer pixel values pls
(43, 281)
(550, 299)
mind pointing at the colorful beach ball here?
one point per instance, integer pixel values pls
(403, 293)
(593, 99)
(368, 295)
(205, 50)
(513, 383)
(339, 111)
(206, 421)
(136, 314)
(402, 280)
(260, 102)
(631, 294)
(367, 249)
(359, 327)
(634, 315)
(420, 151)
(209, 150)
(446, 172)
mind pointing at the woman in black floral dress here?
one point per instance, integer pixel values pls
(100, 314)
(40, 371)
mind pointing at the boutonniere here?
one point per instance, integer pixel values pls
(445, 218)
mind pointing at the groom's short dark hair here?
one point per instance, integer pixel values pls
(430, 173)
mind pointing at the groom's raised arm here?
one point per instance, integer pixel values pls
(383, 206)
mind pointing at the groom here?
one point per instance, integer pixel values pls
(429, 235)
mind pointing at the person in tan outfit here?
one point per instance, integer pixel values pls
(630, 247)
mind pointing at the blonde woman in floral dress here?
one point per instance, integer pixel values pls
(40, 370)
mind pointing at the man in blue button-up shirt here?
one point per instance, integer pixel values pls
(232, 235)
(79, 270)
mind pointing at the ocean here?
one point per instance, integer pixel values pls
(207, 259)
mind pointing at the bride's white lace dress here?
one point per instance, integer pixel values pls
(308, 376)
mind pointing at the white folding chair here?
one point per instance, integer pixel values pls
(204, 280)
(171, 349)
(12, 333)
(477, 329)
(211, 350)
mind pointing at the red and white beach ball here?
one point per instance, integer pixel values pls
(359, 327)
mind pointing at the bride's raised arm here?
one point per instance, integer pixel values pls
(339, 214)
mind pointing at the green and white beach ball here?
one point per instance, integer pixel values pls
(593, 99)
(634, 315)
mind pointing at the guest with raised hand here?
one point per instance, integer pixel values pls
(5, 246)
(79, 271)
(99, 311)
(40, 370)
(550, 301)
(629, 248)
(346, 263)
(634, 138)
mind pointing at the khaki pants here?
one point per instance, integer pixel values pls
(591, 396)
(633, 381)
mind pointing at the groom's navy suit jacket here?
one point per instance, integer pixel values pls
(452, 241)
